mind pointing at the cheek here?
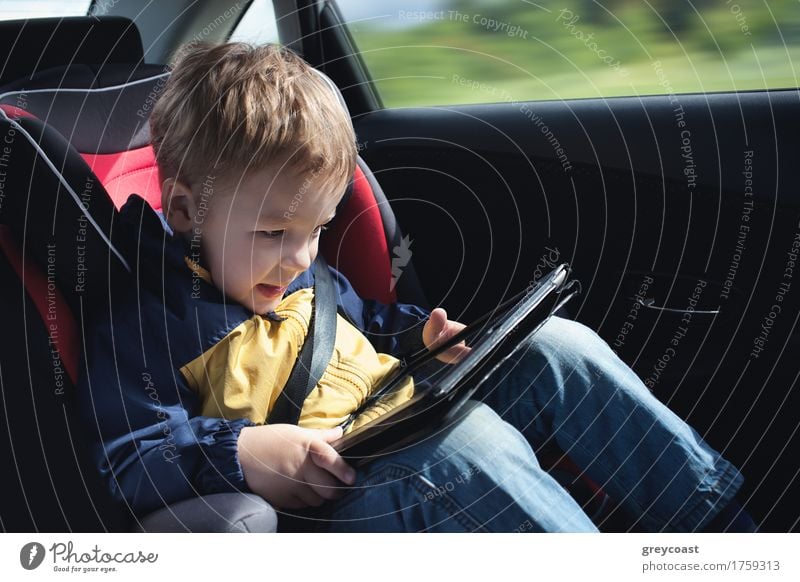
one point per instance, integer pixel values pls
(264, 255)
(228, 261)
(253, 261)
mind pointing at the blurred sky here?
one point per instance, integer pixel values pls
(385, 13)
(13, 9)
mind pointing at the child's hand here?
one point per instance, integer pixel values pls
(293, 467)
(437, 330)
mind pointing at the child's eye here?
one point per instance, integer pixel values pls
(319, 229)
(271, 233)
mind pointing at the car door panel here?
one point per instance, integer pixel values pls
(678, 215)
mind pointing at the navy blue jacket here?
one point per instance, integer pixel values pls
(147, 439)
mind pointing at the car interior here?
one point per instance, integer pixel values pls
(480, 192)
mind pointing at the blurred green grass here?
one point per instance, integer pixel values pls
(420, 62)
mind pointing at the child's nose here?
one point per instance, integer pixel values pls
(297, 258)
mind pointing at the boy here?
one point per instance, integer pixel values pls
(254, 152)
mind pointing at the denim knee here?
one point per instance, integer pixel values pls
(567, 343)
(565, 354)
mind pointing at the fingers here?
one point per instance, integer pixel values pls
(454, 354)
(438, 320)
(434, 328)
(332, 434)
(314, 487)
(325, 457)
(303, 497)
(323, 483)
(448, 329)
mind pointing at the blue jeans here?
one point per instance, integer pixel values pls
(567, 388)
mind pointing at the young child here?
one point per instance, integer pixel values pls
(254, 153)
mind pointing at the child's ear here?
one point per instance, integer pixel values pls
(177, 204)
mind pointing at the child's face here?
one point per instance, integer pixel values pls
(260, 234)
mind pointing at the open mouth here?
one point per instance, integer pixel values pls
(270, 291)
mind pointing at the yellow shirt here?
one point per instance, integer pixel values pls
(243, 374)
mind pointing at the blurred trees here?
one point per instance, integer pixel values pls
(562, 49)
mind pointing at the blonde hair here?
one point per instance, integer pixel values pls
(230, 108)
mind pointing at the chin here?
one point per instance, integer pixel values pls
(265, 307)
(259, 306)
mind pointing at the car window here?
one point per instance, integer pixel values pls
(16, 9)
(257, 25)
(468, 51)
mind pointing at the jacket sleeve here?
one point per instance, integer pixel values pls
(394, 328)
(148, 444)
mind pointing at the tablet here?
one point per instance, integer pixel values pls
(441, 389)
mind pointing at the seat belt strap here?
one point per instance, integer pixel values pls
(315, 355)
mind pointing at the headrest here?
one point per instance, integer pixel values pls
(103, 112)
(108, 114)
(36, 44)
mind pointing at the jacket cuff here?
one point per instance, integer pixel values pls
(223, 471)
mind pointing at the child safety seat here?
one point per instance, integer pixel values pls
(56, 208)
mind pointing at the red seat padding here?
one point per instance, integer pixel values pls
(356, 243)
(54, 311)
(15, 112)
(126, 173)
